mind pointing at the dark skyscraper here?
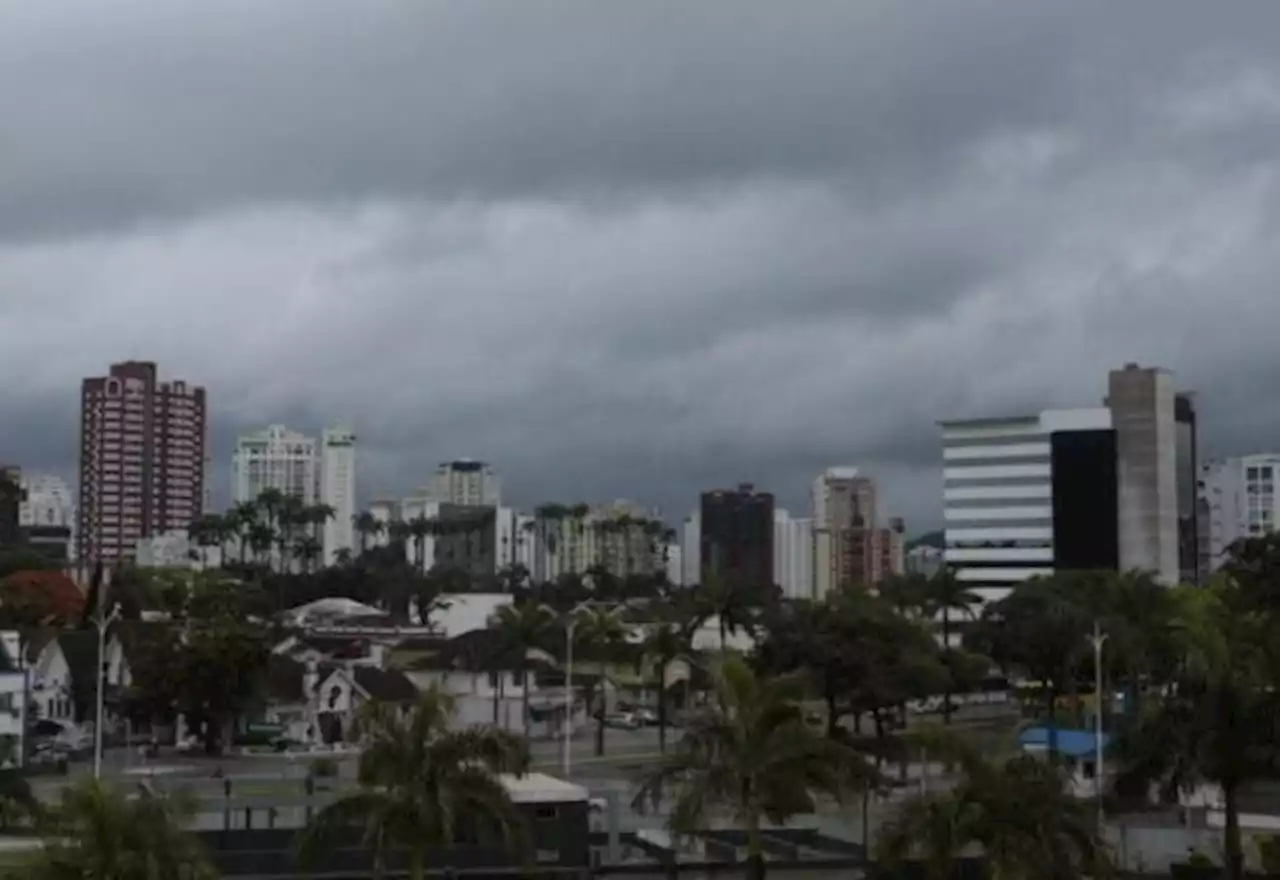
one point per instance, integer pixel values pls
(737, 536)
(1188, 465)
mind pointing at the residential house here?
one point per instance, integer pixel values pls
(319, 702)
(64, 670)
(487, 681)
(13, 686)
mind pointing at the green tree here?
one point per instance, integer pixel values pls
(1040, 630)
(423, 786)
(1019, 811)
(666, 642)
(99, 832)
(521, 629)
(750, 758)
(1218, 722)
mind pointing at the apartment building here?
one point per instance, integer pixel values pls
(142, 459)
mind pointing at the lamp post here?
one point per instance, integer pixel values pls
(103, 622)
(1097, 639)
(566, 754)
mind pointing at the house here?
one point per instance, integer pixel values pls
(13, 704)
(349, 650)
(1076, 749)
(317, 702)
(64, 671)
(487, 681)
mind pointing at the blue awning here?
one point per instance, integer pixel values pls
(1070, 742)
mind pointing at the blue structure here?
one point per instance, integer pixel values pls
(1069, 742)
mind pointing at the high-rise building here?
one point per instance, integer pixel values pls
(737, 536)
(11, 504)
(1238, 499)
(142, 457)
(47, 501)
(1188, 464)
(793, 555)
(466, 482)
(846, 554)
(888, 552)
(338, 490)
(48, 515)
(1143, 407)
(691, 549)
(1026, 495)
(275, 458)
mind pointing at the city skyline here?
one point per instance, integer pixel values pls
(691, 290)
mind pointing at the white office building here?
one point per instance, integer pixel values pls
(468, 482)
(691, 549)
(1238, 500)
(793, 549)
(47, 501)
(674, 563)
(338, 490)
(999, 494)
(275, 458)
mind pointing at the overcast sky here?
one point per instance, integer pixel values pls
(639, 249)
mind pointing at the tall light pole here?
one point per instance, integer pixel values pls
(103, 623)
(566, 754)
(1097, 639)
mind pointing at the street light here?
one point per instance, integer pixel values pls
(103, 622)
(1097, 639)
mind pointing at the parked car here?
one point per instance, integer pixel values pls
(621, 720)
(645, 716)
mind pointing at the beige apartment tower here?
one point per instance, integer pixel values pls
(844, 522)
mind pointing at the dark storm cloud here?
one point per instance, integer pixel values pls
(638, 249)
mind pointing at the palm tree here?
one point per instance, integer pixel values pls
(261, 539)
(307, 549)
(750, 757)
(718, 597)
(1020, 812)
(99, 832)
(423, 786)
(367, 526)
(242, 518)
(421, 528)
(523, 628)
(944, 594)
(665, 643)
(598, 633)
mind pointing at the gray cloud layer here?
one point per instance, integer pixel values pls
(639, 249)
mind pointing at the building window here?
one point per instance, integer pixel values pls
(546, 812)
(547, 856)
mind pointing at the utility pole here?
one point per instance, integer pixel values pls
(1097, 639)
(103, 623)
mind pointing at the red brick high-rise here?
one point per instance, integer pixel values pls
(141, 459)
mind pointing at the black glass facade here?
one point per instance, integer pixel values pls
(1085, 501)
(737, 536)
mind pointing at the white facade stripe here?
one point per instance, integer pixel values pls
(1003, 533)
(998, 472)
(998, 514)
(1003, 450)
